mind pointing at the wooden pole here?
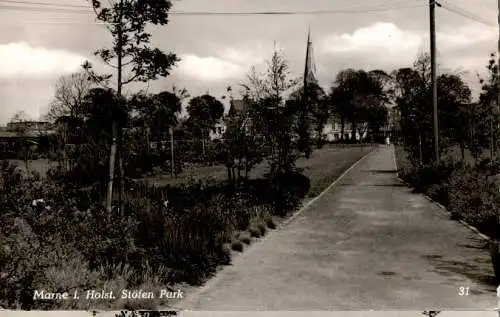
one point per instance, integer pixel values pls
(432, 7)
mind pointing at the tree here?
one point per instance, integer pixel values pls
(101, 105)
(204, 113)
(127, 21)
(341, 96)
(271, 118)
(356, 95)
(486, 112)
(413, 93)
(453, 94)
(68, 97)
(318, 110)
(158, 112)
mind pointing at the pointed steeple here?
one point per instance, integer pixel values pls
(310, 66)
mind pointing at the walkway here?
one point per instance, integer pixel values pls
(368, 243)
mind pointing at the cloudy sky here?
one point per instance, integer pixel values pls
(38, 47)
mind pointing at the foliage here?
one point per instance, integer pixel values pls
(204, 113)
(126, 21)
(271, 118)
(413, 95)
(361, 97)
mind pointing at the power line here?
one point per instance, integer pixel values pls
(460, 11)
(389, 2)
(42, 7)
(46, 4)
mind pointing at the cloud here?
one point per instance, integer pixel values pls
(21, 60)
(465, 36)
(244, 56)
(208, 68)
(229, 63)
(383, 45)
(379, 36)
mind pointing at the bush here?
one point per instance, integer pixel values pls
(237, 246)
(58, 236)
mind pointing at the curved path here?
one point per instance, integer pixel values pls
(367, 243)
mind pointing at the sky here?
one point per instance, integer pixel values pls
(36, 48)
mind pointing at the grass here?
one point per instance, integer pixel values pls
(325, 165)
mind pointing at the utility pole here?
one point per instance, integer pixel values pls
(432, 9)
(498, 75)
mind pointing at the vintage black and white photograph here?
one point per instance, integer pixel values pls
(235, 155)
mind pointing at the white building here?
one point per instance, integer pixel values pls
(333, 130)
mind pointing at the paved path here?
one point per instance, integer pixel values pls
(367, 243)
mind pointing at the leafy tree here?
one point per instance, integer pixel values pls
(318, 110)
(413, 93)
(127, 21)
(271, 118)
(453, 94)
(341, 97)
(99, 107)
(358, 97)
(204, 113)
(485, 118)
(158, 112)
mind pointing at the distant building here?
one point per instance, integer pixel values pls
(237, 108)
(17, 134)
(30, 128)
(332, 132)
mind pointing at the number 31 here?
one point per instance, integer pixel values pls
(463, 291)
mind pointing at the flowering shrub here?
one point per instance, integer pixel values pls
(59, 237)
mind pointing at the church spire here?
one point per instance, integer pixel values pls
(310, 67)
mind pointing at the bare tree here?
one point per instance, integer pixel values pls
(69, 93)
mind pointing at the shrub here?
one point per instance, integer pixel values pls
(237, 246)
(270, 224)
(262, 229)
(254, 232)
(245, 238)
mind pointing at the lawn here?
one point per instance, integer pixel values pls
(322, 168)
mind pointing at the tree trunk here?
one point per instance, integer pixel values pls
(121, 178)
(112, 157)
(246, 168)
(462, 150)
(229, 178)
(342, 128)
(113, 150)
(353, 131)
(239, 169)
(172, 158)
(420, 147)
